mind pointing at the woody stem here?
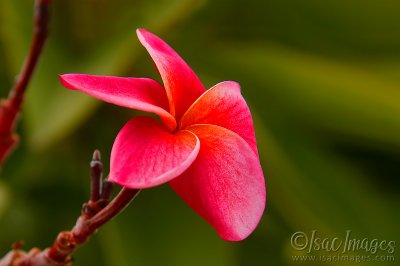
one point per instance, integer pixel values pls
(67, 242)
(95, 213)
(10, 107)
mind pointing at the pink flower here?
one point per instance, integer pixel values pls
(205, 146)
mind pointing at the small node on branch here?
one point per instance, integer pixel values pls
(88, 210)
(17, 244)
(96, 170)
(96, 155)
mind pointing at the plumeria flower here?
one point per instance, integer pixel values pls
(204, 146)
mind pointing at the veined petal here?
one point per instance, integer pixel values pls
(181, 83)
(144, 154)
(224, 106)
(136, 93)
(225, 184)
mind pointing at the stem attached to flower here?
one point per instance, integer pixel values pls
(10, 107)
(95, 213)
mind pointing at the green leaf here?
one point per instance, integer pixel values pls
(4, 198)
(317, 92)
(15, 33)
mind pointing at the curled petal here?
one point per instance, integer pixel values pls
(136, 93)
(181, 83)
(223, 105)
(225, 184)
(144, 154)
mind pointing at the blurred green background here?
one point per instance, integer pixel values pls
(322, 79)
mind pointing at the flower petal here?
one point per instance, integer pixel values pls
(182, 85)
(225, 184)
(136, 93)
(224, 106)
(144, 154)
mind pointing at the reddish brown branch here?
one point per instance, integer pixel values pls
(10, 107)
(95, 213)
(68, 241)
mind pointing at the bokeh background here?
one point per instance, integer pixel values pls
(322, 79)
